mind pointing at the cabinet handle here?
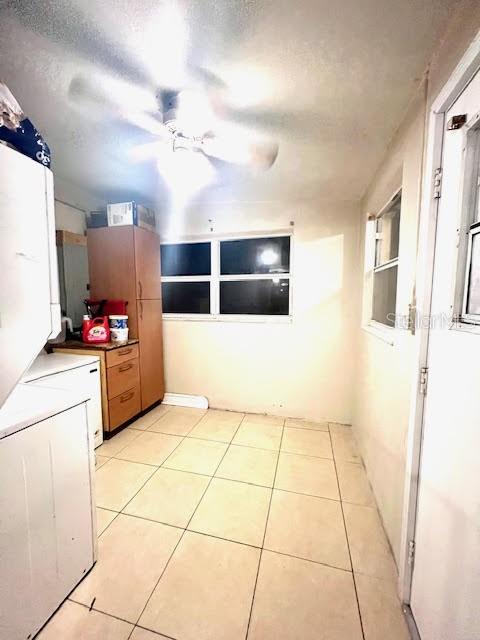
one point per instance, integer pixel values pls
(124, 352)
(141, 310)
(140, 289)
(127, 396)
(125, 367)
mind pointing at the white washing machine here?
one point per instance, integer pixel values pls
(72, 373)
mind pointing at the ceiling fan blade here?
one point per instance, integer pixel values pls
(241, 151)
(118, 101)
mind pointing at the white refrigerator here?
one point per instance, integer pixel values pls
(47, 512)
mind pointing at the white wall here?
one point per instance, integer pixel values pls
(303, 368)
(71, 205)
(384, 377)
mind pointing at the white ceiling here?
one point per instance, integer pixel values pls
(329, 80)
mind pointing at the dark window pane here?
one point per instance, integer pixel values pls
(189, 259)
(255, 297)
(385, 296)
(255, 255)
(388, 233)
(473, 292)
(186, 297)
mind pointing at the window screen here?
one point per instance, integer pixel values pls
(257, 297)
(255, 255)
(188, 259)
(186, 297)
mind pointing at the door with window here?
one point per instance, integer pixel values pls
(445, 599)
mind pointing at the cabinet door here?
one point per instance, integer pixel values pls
(151, 351)
(147, 264)
(111, 265)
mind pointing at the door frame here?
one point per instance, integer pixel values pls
(435, 124)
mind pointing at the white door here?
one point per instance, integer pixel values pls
(445, 598)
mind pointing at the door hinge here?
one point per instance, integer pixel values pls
(411, 553)
(423, 380)
(437, 183)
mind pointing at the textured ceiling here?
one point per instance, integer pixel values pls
(329, 80)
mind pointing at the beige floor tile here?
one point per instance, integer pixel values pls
(75, 622)
(149, 418)
(143, 634)
(260, 418)
(100, 460)
(354, 485)
(380, 609)
(308, 442)
(306, 474)
(306, 424)
(119, 441)
(118, 481)
(132, 554)
(205, 592)
(246, 464)
(169, 496)
(309, 528)
(296, 599)
(104, 518)
(178, 421)
(150, 448)
(263, 436)
(217, 425)
(233, 510)
(344, 446)
(368, 543)
(197, 456)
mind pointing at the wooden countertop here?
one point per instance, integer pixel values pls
(106, 346)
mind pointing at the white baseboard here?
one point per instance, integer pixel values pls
(184, 400)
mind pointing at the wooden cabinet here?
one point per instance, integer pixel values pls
(124, 263)
(151, 361)
(147, 264)
(120, 379)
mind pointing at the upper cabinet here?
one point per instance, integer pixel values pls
(147, 264)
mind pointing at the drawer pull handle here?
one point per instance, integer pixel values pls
(127, 397)
(125, 352)
(125, 367)
(93, 370)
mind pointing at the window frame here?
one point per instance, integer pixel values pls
(375, 327)
(215, 278)
(469, 225)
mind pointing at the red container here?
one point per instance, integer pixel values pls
(96, 330)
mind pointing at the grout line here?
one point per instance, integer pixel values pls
(348, 544)
(154, 633)
(183, 534)
(264, 536)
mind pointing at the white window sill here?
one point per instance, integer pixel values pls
(228, 318)
(380, 331)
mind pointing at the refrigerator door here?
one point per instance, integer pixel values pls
(29, 308)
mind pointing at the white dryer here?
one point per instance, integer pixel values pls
(72, 373)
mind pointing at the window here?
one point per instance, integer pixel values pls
(385, 270)
(469, 280)
(239, 277)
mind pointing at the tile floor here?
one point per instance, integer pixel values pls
(216, 525)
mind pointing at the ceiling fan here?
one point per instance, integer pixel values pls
(192, 119)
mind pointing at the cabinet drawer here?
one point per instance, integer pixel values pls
(122, 354)
(122, 377)
(124, 407)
